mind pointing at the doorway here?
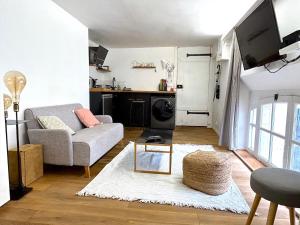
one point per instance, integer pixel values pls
(193, 105)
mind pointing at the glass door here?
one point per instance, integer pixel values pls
(295, 142)
(252, 129)
(272, 131)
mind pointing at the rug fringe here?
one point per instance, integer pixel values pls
(86, 194)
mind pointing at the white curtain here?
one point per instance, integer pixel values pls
(229, 127)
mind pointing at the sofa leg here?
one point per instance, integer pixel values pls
(87, 172)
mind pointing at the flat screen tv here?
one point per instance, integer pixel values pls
(97, 55)
(258, 36)
(101, 55)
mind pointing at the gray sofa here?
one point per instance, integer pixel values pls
(83, 148)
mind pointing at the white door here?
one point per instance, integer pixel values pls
(192, 98)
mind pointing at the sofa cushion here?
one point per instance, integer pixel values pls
(87, 117)
(90, 144)
(53, 122)
(64, 112)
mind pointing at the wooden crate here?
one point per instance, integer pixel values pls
(31, 163)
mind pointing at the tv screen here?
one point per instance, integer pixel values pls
(101, 55)
(258, 37)
(97, 55)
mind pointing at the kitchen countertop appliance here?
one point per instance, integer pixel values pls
(93, 82)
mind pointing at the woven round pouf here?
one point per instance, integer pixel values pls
(208, 172)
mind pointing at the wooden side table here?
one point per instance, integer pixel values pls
(31, 163)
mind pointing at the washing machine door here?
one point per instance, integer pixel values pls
(163, 110)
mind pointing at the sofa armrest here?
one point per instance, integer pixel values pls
(57, 145)
(104, 118)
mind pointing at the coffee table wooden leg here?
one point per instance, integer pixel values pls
(134, 156)
(292, 216)
(170, 162)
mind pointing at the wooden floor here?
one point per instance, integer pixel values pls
(53, 200)
(251, 162)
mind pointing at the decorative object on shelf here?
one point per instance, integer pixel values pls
(142, 65)
(163, 85)
(92, 82)
(15, 82)
(169, 68)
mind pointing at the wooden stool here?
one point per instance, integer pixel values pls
(280, 187)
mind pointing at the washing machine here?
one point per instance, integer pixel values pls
(163, 112)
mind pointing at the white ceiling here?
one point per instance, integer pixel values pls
(153, 23)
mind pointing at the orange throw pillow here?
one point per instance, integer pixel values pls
(87, 117)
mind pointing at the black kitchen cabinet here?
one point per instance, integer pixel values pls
(124, 107)
(117, 115)
(139, 110)
(132, 109)
(96, 103)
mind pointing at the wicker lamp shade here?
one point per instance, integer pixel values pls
(208, 172)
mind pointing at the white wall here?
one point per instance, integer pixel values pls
(219, 104)
(287, 13)
(120, 62)
(243, 116)
(50, 47)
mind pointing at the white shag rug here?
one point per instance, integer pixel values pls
(118, 181)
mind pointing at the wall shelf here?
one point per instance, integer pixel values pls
(104, 69)
(144, 67)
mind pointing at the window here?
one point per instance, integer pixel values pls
(266, 116)
(270, 124)
(277, 151)
(295, 159)
(272, 132)
(264, 144)
(295, 147)
(252, 128)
